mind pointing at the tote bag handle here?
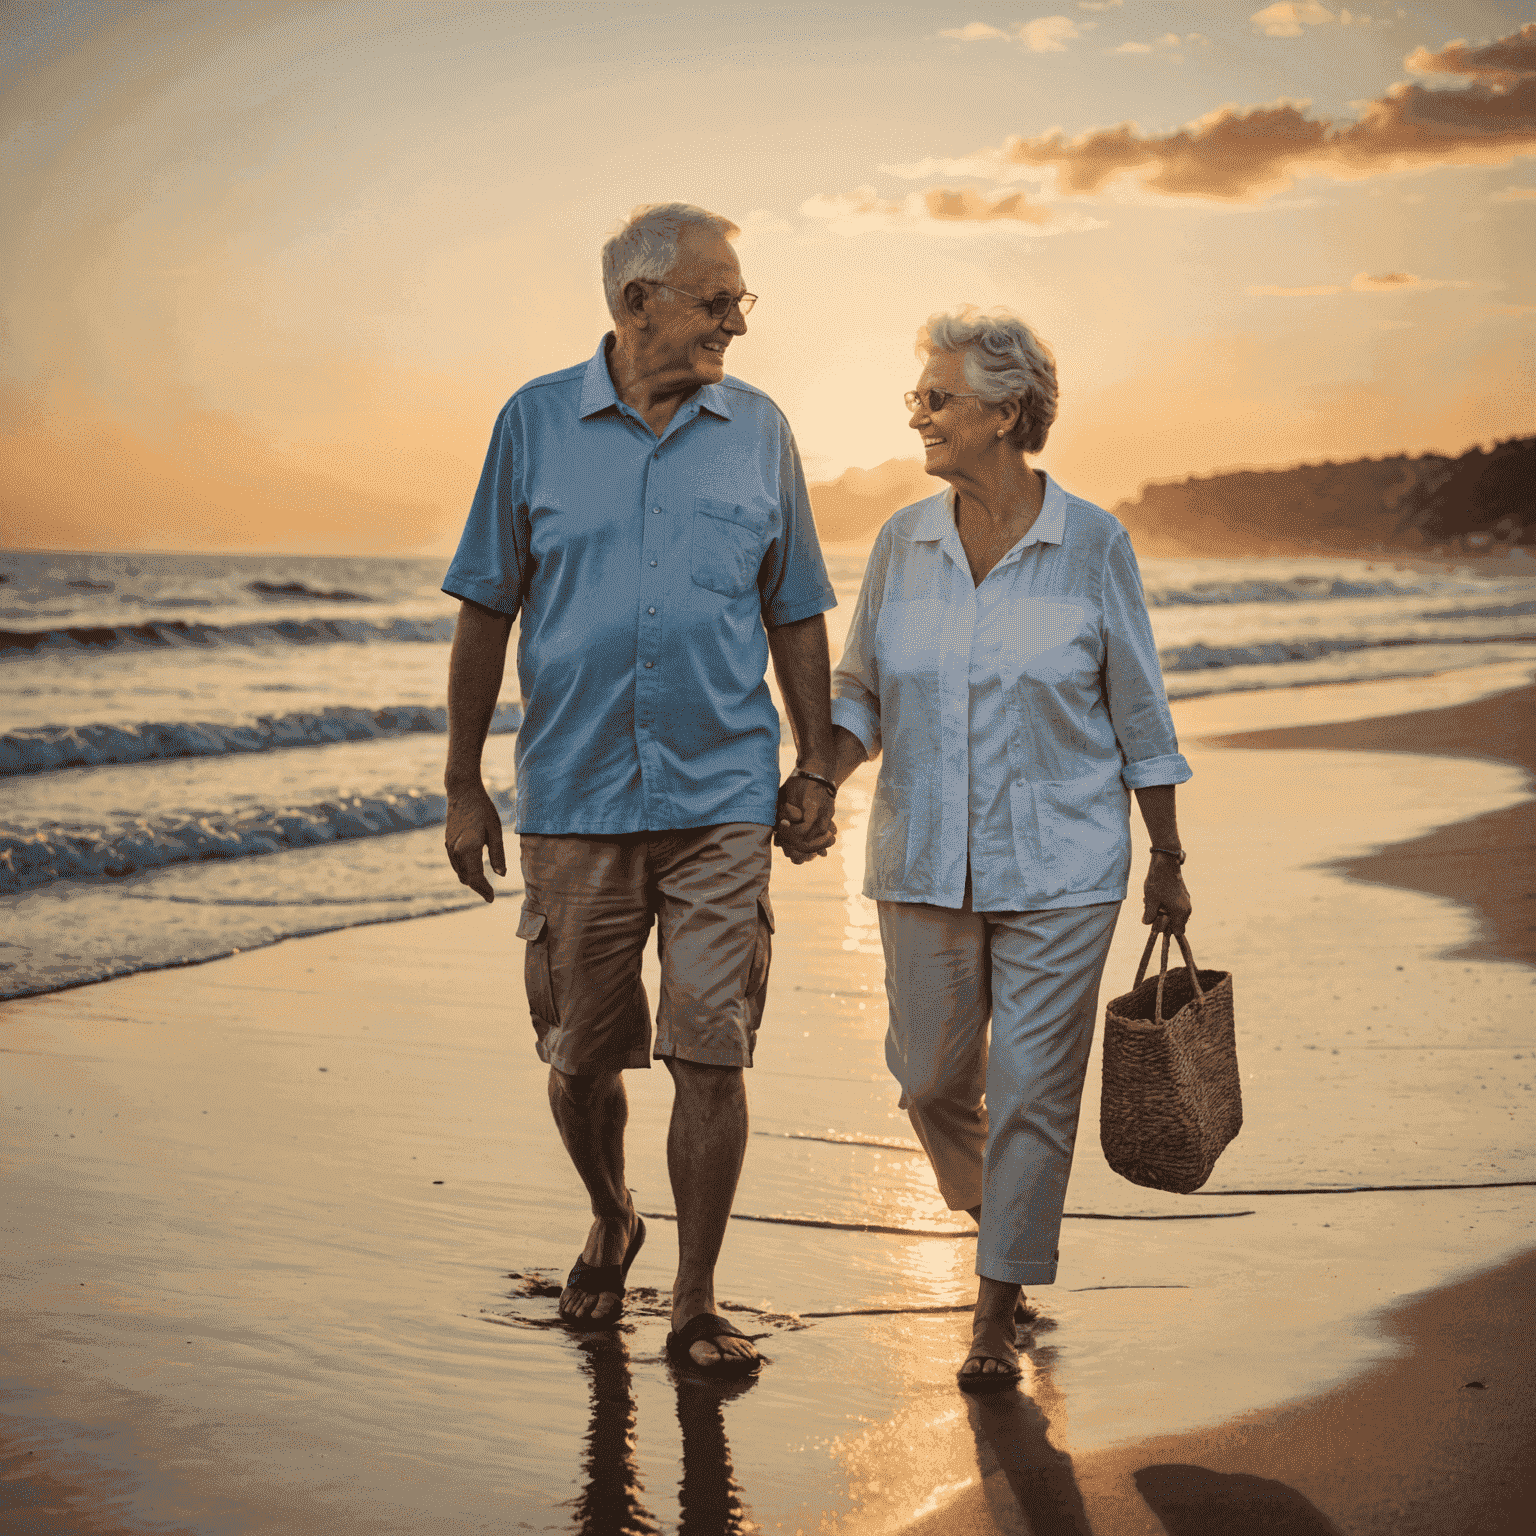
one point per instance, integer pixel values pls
(1161, 927)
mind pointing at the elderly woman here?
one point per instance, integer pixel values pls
(1001, 663)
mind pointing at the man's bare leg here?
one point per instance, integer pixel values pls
(706, 1143)
(591, 1113)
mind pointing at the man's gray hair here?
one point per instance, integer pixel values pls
(646, 247)
(1004, 360)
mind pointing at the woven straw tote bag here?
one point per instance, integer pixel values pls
(1172, 1099)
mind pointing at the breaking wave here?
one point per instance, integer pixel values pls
(50, 747)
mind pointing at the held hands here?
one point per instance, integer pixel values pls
(473, 825)
(805, 829)
(1164, 895)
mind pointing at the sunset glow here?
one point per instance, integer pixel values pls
(271, 270)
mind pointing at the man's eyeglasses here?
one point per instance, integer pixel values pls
(935, 399)
(719, 306)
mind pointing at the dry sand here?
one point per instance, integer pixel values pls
(237, 1299)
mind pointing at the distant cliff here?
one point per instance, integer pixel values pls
(855, 504)
(1478, 501)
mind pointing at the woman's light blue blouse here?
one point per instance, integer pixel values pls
(1012, 719)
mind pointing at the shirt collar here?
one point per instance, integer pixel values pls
(598, 393)
(937, 518)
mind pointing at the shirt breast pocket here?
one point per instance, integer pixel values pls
(729, 542)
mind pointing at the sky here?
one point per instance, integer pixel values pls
(270, 270)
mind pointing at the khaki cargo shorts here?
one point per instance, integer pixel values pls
(587, 911)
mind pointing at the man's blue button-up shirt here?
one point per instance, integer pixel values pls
(644, 570)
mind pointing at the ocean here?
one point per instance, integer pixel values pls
(203, 754)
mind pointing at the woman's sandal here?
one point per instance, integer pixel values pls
(706, 1326)
(988, 1381)
(594, 1279)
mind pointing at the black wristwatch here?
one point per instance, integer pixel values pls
(1173, 853)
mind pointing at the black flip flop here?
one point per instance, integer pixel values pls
(594, 1279)
(707, 1326)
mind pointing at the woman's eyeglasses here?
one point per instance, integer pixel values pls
(719, 306)
(935, 399)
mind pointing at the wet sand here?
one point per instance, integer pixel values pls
(238, 1299)
(1487, 863)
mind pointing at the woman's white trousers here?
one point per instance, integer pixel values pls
(997, 1123)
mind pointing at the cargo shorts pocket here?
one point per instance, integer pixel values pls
(534, 927)
(762, 950)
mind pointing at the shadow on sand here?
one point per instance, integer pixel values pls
(1192, 1501)
(1013, 1436)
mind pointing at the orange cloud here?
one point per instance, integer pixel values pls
(1402, 282)
(1363, 282)
(1246, 154)
(1501, 64)
(941, 210)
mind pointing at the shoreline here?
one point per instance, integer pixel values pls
(1486, 863)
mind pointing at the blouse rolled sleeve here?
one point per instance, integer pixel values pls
(856, 679)
(1133, 679)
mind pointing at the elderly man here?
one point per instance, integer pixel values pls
(647, 516)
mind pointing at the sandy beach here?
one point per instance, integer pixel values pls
(282, 1228)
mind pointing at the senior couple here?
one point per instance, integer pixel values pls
(646, 515)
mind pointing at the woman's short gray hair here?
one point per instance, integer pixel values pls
(646, 247)
(1004, 360)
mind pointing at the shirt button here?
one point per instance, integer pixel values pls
(649, 665)
(656, 510)
(653, 562)
(650, 610)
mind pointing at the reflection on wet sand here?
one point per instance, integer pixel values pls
(710, 1496)
(612, 1500)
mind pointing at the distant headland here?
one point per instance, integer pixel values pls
(1482, 502)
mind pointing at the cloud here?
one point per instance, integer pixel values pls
(1287, 18)
(942, 211)
(1048, 34)
(1099, 5)
(1514, 195)
(1361, 282)
(1500, 64)
(1045, 34)
(974, 32)
(1402, 282)
(1242, 154)
(1168, 43)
